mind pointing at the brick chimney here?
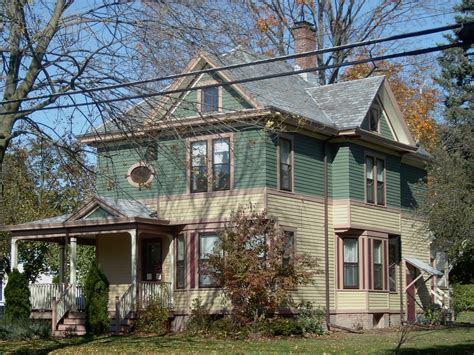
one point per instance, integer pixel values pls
(304, 35)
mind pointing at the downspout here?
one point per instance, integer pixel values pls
(326, 231)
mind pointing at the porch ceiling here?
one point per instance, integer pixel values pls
(88, 229)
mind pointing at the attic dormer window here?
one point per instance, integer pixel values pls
(375, 113)
(210, 99)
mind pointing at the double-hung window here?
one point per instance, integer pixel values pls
(351, 263)
(378, 266)
(210, 174)
(375, 180)
(393, 259)
(210, 99)
(285, 164)
(289, 247)
(220, 164)
(180, 262)
(207, 241)
(199, 162)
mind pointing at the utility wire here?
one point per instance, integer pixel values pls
(241, 65)
(240, 81)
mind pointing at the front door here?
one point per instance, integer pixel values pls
(411, 315)
(152, 260)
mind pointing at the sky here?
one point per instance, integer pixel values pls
(434, 14)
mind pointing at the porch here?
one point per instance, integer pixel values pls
(135, 253)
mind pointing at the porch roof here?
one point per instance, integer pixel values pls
(421, 265)
(119, 216)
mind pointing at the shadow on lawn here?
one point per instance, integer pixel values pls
(54, 344)
(464, 348)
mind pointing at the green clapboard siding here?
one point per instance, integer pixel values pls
(385, 130)
(231, 100)
(356, 178)
(411, 185)
(170, 167)
(339, 171)
(308, 165)
(249, 159)
(271, 142)
(113, 163)
(98, 213)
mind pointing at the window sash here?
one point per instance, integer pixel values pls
(285, 169)
(206, 245)
(180, 262)
(380, 182)
(370, 179)
(375, 180)
(289, 248)
(221, 164)
(210, 99)
(378, 266)
(199, 174)
(350, 263)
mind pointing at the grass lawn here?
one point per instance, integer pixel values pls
(465, 317)
(447, 341)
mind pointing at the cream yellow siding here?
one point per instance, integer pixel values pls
(415, 243)
(307, 217)
(378, 300)
(351, 300)
(341, 214)
(375, 217)
(213, 300)
(205, 207)
(394, 301)
(113, 257)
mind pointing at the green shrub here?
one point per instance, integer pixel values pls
(312, 320)
(284, 326)
(24, 329)
(17, 297)
(96, 291)
(153, 319)
(463, 298)
(227, 327)
(200, 322)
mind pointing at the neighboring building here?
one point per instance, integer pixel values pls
(335, 165)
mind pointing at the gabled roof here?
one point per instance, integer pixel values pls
(336, 107)
(113, 207)
(347, 103)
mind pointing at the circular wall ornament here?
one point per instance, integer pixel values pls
(140, 175)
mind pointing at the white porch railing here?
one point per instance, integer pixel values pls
(41, 296)
(125, 305)
(441, 298)
(60, 307)
(155, 290)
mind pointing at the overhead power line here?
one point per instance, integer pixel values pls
(241, 81)
(241, 65)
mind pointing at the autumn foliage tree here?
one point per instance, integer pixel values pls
(416, 102)
(254, 264)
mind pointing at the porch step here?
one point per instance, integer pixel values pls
(72, 328)
(76, 315)
(74, 321)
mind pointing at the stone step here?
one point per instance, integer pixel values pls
(64, 333)
(72, 327)
(74, 321)
(76, 315)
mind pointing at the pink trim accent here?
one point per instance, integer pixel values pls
(192, 260)
(385, 266)
(363, 262)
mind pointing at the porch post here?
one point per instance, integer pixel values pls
(14, 254)
(133, 265)
(73, 271)
(61, 262)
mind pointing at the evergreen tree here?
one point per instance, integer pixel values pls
(96, 291)
(17, 296)
(451, 173)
